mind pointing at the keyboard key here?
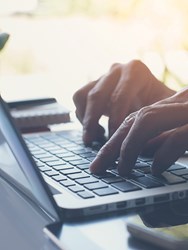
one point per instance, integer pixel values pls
(78, 176)
(147, 182)
(82, 150)
(114, 179)
(42, 155)
(185, 176)
(145, 158)
(62, 167)
(45, 168)
(115, 171)
(76, 188)
(70, 171)
(170, 179)
(75, 147)
(84, 166)
(95, 185)
(39, 163)
(175, 167)
(135, 174)
(88, 154)
(52, 147)
(105, 191)
(72, 158)
(86, 194)
(55, 163)
(141, 165)
(126, 186)
(145, 170)
(90, 158)
(104, 175)
(48, 159)
(87, 180)
(80, 162)
(59, 151)
(180, 172)
(48, 146)
(37, 151)
(51, 173)
(59, 177)
(64, 154)
(67, 183)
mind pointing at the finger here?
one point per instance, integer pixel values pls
(152, 145)
(96, 105)
(109, 153)
(80, 98)
(173, 147)
(150, 122)
(101, 134)
(119, 104)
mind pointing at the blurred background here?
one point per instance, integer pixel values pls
(57, 46)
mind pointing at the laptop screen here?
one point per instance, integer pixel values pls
(19, 168)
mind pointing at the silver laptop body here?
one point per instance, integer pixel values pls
(75, 190)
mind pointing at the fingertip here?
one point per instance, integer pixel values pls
(92, 168)
(123, 169)
(156, 168)
(87, 138)
(124, 172)
(104, 160)
(96, 166)
(156, 171)
(159, 167)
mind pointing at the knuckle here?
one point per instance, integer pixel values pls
(145, 114)
(115, 66)
(126, 122)
(116, 70)
(135, 63)
(77, 96)
(134, 67)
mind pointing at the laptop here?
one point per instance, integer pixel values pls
(52, 169)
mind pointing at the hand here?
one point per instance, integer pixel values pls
(124, 89)
(161, 128)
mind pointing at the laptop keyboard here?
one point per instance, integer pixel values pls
(63, 157)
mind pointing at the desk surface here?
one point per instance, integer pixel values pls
(22, 226)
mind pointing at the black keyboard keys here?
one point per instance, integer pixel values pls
(125, 186)
(105, 191)
(147, 182)
(170, 179)
(95, 185)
